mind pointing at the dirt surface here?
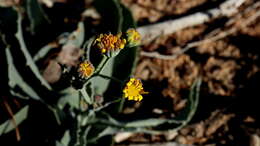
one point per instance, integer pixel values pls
(229, 67)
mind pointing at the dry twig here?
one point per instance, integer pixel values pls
(212, 38)
(150, 32)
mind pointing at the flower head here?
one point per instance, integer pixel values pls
(85, 69)
(133, 37)
(109, 43)
(134, 90)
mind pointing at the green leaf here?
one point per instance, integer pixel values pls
(19, 117)
(17, 94)
(29, 60)
(77, 36)
(87, 48)
(125, 62)
(127, 58)
(85, 95)
(69, 96)
(128, 19)
(66, 138)
(84, 135)
(146, 123)
(193, 100)
(107, 131)
(185, 116)
(121, 66)
(59, 144)
(42, 52)
(16, 79)
(111, 13)
(100, 84)
(36, 15)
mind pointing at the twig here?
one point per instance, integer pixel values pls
(207, 40)
(247, 10)
(170, 57)
(150, 32)
(10, 112)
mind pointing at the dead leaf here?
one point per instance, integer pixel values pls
(52, 72)
(69, 55)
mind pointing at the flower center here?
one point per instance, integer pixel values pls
(132, 91)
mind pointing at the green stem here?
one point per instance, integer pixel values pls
(110, 78)
(98, 69)
(55, 113)
(101, 65)
(121, 105)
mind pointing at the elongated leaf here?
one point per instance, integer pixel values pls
(107, 131)
(145, 123)
(29, 60)
(66, 138)
(100, 85)
(69, 96)
(85, 95)
(87, 48)
(59, 144)
(125, 61)
(43, 52)
(194, 98)
(150, 122)
(129, 55)
(122, 66)
(83, 138)
(185, 117)
(19, 117)
(192, 104)
(36, 15)
(111, 13)
(17, 94)
(76, 38)
(16, 79)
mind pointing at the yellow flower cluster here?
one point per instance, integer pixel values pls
(109, 43)
(133, 37)
(134, 90)
(85, 69)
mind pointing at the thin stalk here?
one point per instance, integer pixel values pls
(101, 65)
(121, 105)
(10, 112)
(110, 78)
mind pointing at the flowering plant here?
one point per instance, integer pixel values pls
(70, 77)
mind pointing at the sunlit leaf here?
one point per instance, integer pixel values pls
(15, 79)
(19, 117)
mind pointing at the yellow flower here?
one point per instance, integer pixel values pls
(134, 90)
(121, 42)
(133, 37)
(109, 43)
(85, 69)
